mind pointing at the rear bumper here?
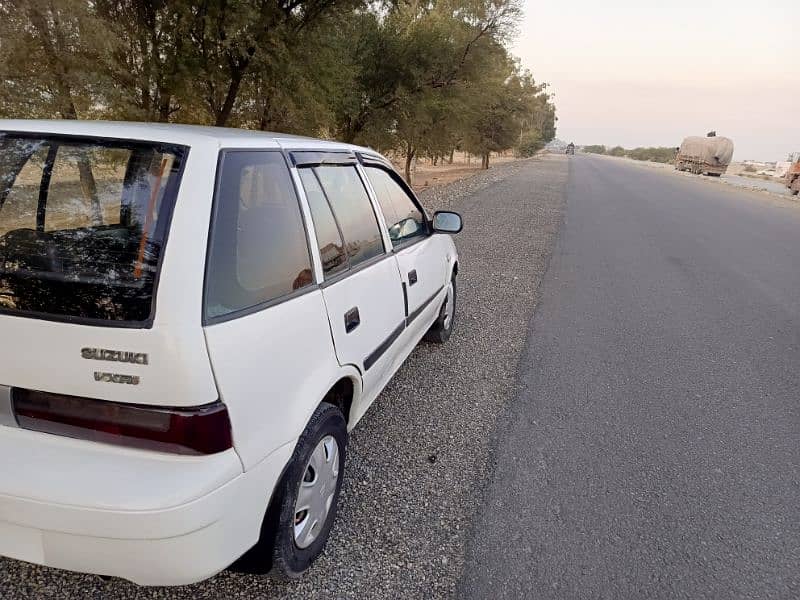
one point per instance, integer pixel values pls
(160, 544)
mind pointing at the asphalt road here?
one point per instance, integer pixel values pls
(653, 447)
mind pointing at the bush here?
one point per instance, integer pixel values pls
(660, 154)
(595, 149)
(530, 144)
(617, 151)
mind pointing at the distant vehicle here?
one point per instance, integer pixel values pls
(570, 148)
(708, 155)
(793, 174)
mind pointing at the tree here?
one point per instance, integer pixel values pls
(529, 144)
(49, 53)
(595, 149)
(538, 121)
(508, 107)
(415, 48)
(419, 77)
(495, 125)
(654, 154)
(151, 67)
(47, 61)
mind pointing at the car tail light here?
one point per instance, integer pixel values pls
(198, 430)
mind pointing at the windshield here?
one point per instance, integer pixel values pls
(83, 224)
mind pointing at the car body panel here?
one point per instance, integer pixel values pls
(267, 373)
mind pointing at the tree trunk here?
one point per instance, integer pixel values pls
(435, 160)
(264, 117)
(51, 44)
(485, 161)
(452, 152)
(144, 92)
(164, 108)
(238, 72)
(89, 188)
(409, 158)
(227, 107)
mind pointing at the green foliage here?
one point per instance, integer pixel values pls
(51, 59)
(421, 78)
(654, 154)
(529, 144)
(659, 154)
(595, 149)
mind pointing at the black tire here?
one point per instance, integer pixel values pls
(276, 552)
(442, 329)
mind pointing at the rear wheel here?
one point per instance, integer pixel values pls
(303, 508)
(442, 328)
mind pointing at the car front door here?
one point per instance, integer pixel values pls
(421, 257)
(361, 284)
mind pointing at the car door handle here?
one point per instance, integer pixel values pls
(351, 319)
(412, 277)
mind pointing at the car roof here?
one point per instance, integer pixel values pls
(224, 137)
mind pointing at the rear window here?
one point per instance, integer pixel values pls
(83, 224)
(258, 252)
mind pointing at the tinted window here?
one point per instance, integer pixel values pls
(258, 243)
(82, 224)
(353, 210)
(403, 219)
(329, 240)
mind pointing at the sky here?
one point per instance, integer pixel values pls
(650, 73)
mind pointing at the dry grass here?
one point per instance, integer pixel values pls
(425, 175)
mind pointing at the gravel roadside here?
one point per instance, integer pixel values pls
(418, 460)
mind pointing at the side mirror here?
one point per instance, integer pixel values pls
(445, 221)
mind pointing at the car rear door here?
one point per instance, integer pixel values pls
(361, 282)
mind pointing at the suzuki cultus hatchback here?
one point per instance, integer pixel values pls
(192, 319)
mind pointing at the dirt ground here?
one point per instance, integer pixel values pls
(425, 175)
(737, 168)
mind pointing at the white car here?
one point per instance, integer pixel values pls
(192, 319)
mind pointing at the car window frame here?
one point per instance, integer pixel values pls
(311, 159)
(314, 174)
(182, 153)
(301, 201)
(371, 161)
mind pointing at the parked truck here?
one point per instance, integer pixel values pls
(708, 155)
(793, 174)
